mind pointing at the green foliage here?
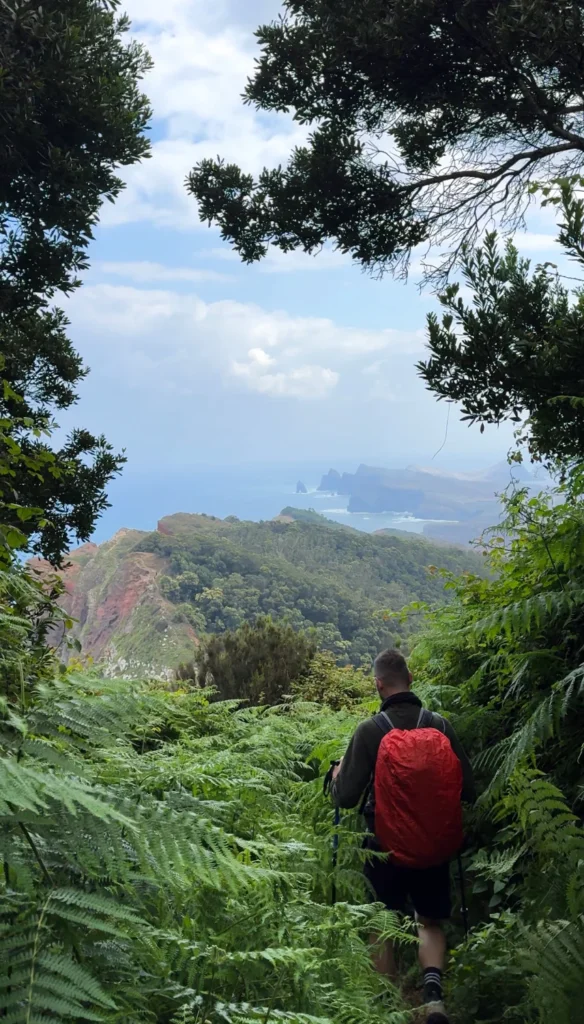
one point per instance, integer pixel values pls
(308, 515)
(47, 492)
(555, 956)
(328, 685)
(506, 660)
(256, 663)
(72, 114)
(426, 120)
(488, 979)
(516, 319)
(28, 613)
(336, 584)
(167, 858)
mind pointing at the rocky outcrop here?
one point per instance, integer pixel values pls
(121, 619)
(331, 481)
(424, 493)
(301, 488)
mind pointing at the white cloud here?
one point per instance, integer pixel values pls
(532, 241)
(372, 369)
(156, 189)
(156, 338)
(174, 14)
(200, 70)
(257, 355)
(143, 272)
(382, 383)
(303, 382)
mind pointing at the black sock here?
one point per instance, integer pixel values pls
(432, 985)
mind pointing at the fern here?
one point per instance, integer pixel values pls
(554, 956)
(24, 788)
(512, 648)
(171, 862)
(552, 832)
(543, 724)
(521, 618)
(500, 864)
(37, 978)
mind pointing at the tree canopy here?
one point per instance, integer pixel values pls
(72, 112)
(256, 663)
(515, 350)
(428, 120)
(44, 491)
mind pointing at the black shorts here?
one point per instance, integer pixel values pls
(426, 889)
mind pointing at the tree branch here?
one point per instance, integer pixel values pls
(529, 156)
(545, 116)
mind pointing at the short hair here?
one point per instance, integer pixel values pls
(390, 666)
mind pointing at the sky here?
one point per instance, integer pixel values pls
(197, 359)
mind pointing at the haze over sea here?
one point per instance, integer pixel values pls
(140, 497)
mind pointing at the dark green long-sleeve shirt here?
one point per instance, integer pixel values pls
(359, 761)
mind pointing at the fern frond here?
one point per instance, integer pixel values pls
(246, 1011)
(498, 865)
(542, 725)
(95, 903)
(522, 617)
(555, 957)
(24, 788)
(38, 980)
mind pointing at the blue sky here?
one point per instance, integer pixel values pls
(198, 359)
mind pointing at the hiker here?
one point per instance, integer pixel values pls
(410, 784)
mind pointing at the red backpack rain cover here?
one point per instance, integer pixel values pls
(418, 786)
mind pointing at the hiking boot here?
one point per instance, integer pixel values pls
(436, 1014)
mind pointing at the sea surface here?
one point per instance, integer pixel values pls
(139, 498)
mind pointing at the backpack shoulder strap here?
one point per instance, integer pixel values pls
(384, 722)
(439, 722)
(430, 720)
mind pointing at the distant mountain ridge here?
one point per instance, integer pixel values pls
(466, 502)
(142, 600)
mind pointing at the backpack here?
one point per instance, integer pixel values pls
(418, 786)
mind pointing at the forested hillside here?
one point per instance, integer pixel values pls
(141, 601)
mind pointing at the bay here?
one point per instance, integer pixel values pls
(140, 498)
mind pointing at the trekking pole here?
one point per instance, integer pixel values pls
(335, 855)
(326, 788)
(464, 907)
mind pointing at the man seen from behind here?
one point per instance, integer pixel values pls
(410, 767)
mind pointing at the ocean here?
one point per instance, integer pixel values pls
(139, 498)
